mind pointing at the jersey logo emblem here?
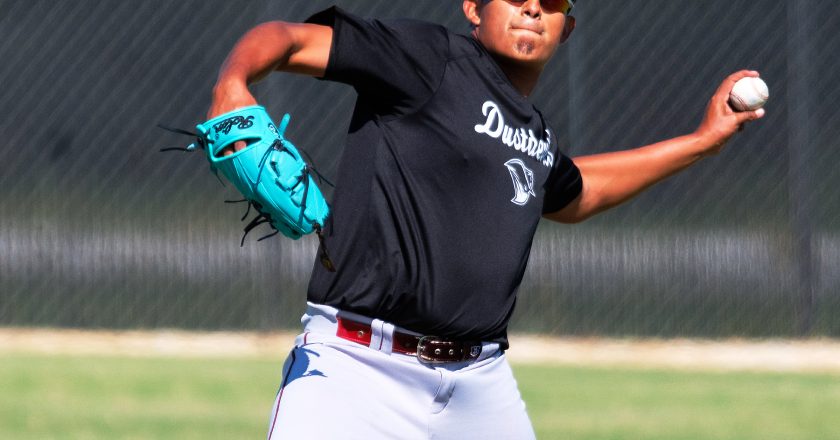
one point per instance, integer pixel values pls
(523, 181)
(520, 139)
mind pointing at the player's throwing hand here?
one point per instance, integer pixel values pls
(721, 121)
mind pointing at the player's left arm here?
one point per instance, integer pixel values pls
(610, 179)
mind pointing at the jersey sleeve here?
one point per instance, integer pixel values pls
(563, 185)
(396, 65)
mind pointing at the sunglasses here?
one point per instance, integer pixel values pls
(562, 6)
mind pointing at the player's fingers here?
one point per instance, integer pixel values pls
(230, 149)
(729, 82)
(735, 77)
(747, 116)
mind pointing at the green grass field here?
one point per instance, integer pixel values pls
(73, 397)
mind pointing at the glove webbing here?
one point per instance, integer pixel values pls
(304, 177)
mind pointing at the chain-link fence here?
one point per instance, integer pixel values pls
(98, 229)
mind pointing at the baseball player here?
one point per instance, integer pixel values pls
(447, 170)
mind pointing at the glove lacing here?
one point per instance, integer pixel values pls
(264, 217)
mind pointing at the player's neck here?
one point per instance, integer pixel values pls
(523, 77)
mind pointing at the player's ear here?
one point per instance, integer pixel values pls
(568, 28)
(472, 11)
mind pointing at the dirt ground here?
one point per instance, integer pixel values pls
(813, 355)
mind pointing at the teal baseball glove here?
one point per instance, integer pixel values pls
(269, 172)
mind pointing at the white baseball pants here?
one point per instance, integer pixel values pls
(333, 388)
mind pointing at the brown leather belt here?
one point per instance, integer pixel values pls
(428, 349)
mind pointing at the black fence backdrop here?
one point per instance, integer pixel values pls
(98, 229)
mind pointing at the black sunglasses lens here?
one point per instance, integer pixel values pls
(563, 6)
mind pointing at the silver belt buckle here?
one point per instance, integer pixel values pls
(435, 350)
(430, 357)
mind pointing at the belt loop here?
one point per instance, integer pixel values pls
(387, 338)
(376, 334)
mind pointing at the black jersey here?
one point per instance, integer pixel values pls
(445, 175)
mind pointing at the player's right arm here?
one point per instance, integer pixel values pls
(610, 179)
(273, 46)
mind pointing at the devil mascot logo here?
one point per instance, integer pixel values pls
(523, 181)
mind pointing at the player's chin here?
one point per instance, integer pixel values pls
(529, 52)
(531, 47)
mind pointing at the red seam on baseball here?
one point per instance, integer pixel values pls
(741, 103)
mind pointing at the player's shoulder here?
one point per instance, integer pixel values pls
(418, 31)
(464, 46)
(404, 27)
(418, 27)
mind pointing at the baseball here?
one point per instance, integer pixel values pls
(749, 93)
